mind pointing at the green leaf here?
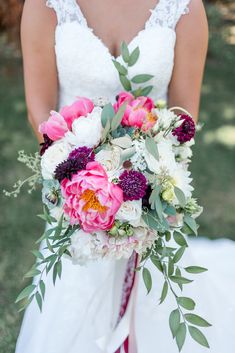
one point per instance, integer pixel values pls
(125, 82)
(154, 194)
(39, 300)
(180, 280)
(121, 69)
(25, 292)
(59, 268)
(106, 130)
(179, 253)
(134, 56)
(181, 335)
(164, 292)
(107, 114)
(191, 223)
(147, 279)
(55, 273)
(141, 78)
(33, 272)
(151, 147)
(196, 320)
(174, 321)
(180, 239)
(180, 196)
(157, 263)
(195, 269)
(146, 90)
(42, 288)
(186, 303)
(158, 207)
(116, 121)
(170, 267)
(170, 210)
(198, 336)
(59, 227)
(125, 52)
(37, 254)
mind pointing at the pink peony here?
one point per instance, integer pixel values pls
(138, 112)
(90, 199)
(80, 107)
(55, 127)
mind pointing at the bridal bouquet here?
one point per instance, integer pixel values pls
(115, 182)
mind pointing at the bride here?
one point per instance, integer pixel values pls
(68, 47)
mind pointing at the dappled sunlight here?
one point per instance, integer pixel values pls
(224, 135)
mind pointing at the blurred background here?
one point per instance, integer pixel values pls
(213, 164)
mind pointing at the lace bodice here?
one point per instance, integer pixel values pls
(84, 62)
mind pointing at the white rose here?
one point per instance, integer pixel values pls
(110, 160)
(130, 211)
(86, 131)
(53, 156)
(81, 247)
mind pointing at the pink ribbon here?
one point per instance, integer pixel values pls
(128, 285)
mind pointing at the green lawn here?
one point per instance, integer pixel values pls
(213, 169)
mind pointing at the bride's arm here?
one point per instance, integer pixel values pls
(40, 74)
(190, 55)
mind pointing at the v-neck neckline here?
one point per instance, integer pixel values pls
(102, 41)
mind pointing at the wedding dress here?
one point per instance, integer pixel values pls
(79, 311)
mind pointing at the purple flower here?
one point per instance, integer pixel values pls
(133, 185)
(44, 145)
(186, 131)
(76, 161)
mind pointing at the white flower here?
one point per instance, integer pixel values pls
(166, 118)
(86, 131)
(166, 158)
(182, 180)
(138, 159)
(110, 159)
(81, 247)
(130, 211)
(53, 156)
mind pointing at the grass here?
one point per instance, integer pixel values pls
(213, 170)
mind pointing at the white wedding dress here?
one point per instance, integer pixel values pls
(79, 312)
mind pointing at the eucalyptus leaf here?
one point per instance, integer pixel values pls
(197, 320)
(146, 90)
(121, 69)
(180, 280)
(181, 335)
(147, 279)
(180, 239)
(25, 292)
(125, 82)
(186, 303)
(151, 147)
(191, 223)
(134, 56)
(125, 52)
(179, 253)
(170, 267)
(39, 300)
(174, 322)
(164, 292)
(116, 121)
(195, 269)
(106, 130)
(156, 263)
(180, 196)
(198, 336)
(141, 78)
(42, 288)
(107, 114)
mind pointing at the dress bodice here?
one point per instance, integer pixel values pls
(84, 63)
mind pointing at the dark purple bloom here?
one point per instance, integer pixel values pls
(44, 145)
(186, 131)
(76, 161)
(83, 154)
(133, 185)
(145, 201)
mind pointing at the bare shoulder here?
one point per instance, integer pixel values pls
(37, 18)
(195, 22)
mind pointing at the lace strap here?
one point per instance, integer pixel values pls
(167, 13)
(66, 11)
